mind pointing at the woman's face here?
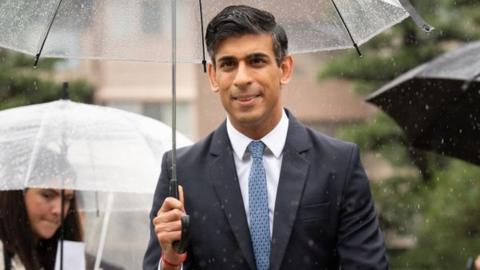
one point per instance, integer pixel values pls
(44, 208)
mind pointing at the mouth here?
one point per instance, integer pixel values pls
(246, 100)
(51, 222)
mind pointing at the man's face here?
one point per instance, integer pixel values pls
(249, 81)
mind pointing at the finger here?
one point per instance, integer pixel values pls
(168, 237)
(180, 192)
(170, 203)
(170, 216)
(167, 227)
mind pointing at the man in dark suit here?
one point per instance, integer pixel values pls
(263, 191)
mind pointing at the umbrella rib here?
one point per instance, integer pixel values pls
(346, 27)
(37, 56)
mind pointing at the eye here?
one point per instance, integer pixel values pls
(46, 194)
(258, 61)
(227, 64)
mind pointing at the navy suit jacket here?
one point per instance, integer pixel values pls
(324, 213)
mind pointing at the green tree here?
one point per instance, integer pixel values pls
(20, 84)
(429, 198)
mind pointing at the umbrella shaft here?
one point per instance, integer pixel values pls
(62, 226)
(174, 92)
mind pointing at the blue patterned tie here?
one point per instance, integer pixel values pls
(258, 207)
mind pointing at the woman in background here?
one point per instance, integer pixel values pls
(29, 226)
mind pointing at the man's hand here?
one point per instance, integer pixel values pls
(168, 226)
(477, 263)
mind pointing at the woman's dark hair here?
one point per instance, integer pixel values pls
(15, 229)
(17, 235)
(235, 21)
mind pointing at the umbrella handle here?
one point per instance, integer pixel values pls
(181, 245)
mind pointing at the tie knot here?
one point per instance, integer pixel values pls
(256, 149)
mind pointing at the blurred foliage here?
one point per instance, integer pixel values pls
(21, 84)
(407, 199)
(450, 225)
(426, 197)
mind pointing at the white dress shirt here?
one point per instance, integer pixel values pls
(272, 161)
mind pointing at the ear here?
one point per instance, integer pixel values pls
(212, 78)
(286, 68)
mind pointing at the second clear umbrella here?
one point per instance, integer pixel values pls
(114, 154)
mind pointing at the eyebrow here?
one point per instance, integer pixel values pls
(226, 58)
(67, 195)
(250, 56)
(257, 55)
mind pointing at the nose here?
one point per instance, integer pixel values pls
(56, 207)
(243, 77)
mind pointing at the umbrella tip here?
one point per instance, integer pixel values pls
(428, 28)
(65, 94)
(37, 58)
(357, 49)
(204, 63)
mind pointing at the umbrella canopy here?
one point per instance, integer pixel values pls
(433, 105)
(142, 30)
(88, 147)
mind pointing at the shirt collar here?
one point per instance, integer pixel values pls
(274, 140)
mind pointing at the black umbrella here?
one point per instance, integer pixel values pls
(437, 104)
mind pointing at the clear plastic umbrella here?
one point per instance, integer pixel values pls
(107, 149)
(142, 30)
(111, 154)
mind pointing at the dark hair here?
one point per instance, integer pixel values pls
(235, 21)
(17, 235)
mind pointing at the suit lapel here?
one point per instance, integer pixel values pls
(225, 181)
(292, 180)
